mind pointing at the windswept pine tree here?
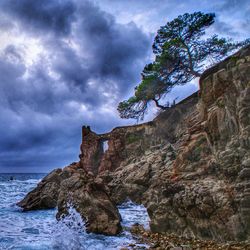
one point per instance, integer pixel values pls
(182, 52)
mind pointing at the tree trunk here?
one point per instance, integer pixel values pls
(159, 105)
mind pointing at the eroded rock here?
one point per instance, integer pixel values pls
(45, 195)
(89, 197)
(199, 188)
(73, 186)
(189, 167)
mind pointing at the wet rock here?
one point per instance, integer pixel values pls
(73, 186)
(89, 197)
(45, 195)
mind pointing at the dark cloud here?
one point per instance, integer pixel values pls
(87, 62)
(65, 63)
(42, 15)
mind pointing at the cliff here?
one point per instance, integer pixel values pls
(190, 166)
(131, 142)
(196, 180)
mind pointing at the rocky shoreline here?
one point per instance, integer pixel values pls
(189, 167)
(165, 241)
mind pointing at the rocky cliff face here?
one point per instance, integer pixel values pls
(128, 143)
(190, 166)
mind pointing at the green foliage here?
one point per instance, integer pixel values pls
(181, 54)
(132, 108)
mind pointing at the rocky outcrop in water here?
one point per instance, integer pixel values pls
(72, 186)
(45, 195)
(89, 197)
(190, 166)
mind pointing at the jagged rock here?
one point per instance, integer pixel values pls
(189, 167)
(201, 188)
(73, 185)
(91, 150)
(45, 195)
(90, 199)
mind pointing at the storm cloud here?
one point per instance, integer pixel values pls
(64, 64)
(42, 16)
(85, 63)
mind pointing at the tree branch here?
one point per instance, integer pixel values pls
(191, 67)
(159, 105)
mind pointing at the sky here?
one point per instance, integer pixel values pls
(68, 63)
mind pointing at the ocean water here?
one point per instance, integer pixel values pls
(39, 230)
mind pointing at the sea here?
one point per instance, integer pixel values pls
(39, 230)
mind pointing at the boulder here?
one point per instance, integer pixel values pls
(73, 186)
(45, 195)
(90, 198)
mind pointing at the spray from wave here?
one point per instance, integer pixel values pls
(39, 230)
(68, 231)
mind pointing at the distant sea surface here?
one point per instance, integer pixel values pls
(39, 230)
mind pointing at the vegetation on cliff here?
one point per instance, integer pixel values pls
(181, 54)
(189, 167)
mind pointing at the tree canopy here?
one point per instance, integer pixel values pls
(182, 52)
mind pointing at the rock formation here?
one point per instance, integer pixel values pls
(45, 195)
(89, 197)
(73, 186)
(190, 166)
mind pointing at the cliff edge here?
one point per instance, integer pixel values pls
(190, 166)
